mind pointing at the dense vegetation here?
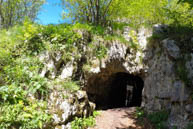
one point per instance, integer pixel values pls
(23, 92)
(138, 12)
(22, 40)
(13, 12)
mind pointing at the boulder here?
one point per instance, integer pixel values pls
(65, 106)
(159, 29)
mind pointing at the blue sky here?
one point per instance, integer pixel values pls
(51, 13)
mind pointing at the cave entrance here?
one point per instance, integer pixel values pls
(124, 90)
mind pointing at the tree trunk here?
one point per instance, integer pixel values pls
(105, 13)
(93, 11)
(1, 15)
(97, 12)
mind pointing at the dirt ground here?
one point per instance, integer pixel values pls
(119, 118)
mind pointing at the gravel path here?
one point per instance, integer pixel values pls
(119, 118)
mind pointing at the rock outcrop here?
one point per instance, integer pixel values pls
(65, 106)
(154, 61)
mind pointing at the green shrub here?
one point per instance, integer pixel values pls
(100, 51)
(140, 113)
(20, 112)
(84, 123)
(68, 84)
(71, 85)
(179, 13)
(159, 119)
(190, 125)
(22, 116)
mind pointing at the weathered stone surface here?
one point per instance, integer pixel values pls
(154, 63)
(179, 92)
(67, 70)
(189, 108)
(49, 65)
(171, 47)
(54, 65)
(66, 106)
(192, 40)
(159, 29)
(142, 35)
(68, 126)
(189, 66)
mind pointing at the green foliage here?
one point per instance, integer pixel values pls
(20, 112)
(70, 85)
(101, 51)
(134, 41)
(13, 12)
(145, 12)
(19, 78)
(140, 113)
(15, 108)
(159, 119)
(116, 37)
(67, 84)
(38, 86)
(12, 94)
(93, 29)
(60, 34)
(179, 13)
(23, 116)
(94, 11)
(84, 123)
(190, 125)
(187, 1)
(139, 12)
(119, 25)
(24, 73)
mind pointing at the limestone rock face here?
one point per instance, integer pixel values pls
(171, 47)
(163, 89)
(54, 66)
(189, 66)
(66, 106)
(155, 62)
(119, 59)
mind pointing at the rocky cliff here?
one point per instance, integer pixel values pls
(162, 63)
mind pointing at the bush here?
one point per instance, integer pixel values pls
(84, 123)
(159, 119)
(20, 112)
(179, 13)
(140, 113)
(22, 116)
(190, 125)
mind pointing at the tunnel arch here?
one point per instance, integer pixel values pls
(118, 92)
(111, 91)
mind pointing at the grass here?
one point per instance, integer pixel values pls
(154, 120)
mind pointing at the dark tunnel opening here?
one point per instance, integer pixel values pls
(125, 90)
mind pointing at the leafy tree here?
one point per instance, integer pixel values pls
(99, 12)
(134, 12)
(89, 11)
(180, 13)
(188, 1)
(14, 11)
